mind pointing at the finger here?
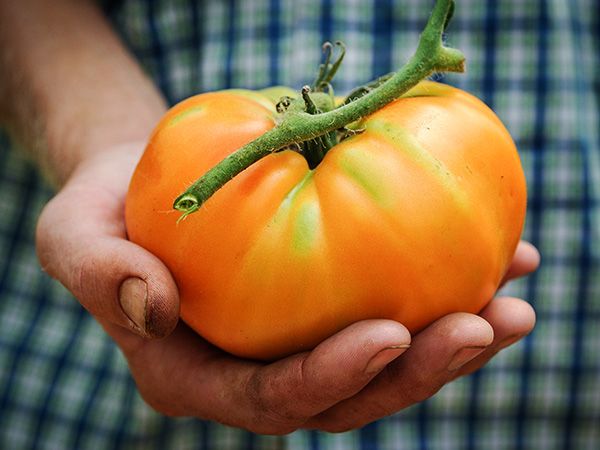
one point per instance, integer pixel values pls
(274, 398)
(512, 319)
(435, 354)
(81, 242)
(295, 389)
(525, 261)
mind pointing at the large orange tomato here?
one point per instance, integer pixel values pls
(415, 217)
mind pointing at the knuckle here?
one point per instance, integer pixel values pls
(82, 282)
(269, 413)
(413, 387)
(80, 277)
(420, 388)
(75, 270)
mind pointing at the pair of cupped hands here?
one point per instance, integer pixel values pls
(369, 370)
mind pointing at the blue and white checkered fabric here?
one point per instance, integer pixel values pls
(64, 384)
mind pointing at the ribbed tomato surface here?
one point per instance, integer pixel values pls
(415, 217)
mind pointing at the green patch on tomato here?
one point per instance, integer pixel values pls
(185, 114)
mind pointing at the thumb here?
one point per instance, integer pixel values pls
(81, 241)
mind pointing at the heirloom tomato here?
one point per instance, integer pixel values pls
(415, 216)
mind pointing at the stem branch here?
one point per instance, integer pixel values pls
(298, 125)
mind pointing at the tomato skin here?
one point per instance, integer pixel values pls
(416, 217)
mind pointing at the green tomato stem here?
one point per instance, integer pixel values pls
(299, 126)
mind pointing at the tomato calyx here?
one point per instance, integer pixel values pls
(317, 99)
(314, 150)
(309, 119)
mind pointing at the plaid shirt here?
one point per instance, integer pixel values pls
(64, 384)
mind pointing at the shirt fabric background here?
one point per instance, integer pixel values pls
(64, 384)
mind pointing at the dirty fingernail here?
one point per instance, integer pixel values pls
(463, 356)
(133, 295)
(384, 357)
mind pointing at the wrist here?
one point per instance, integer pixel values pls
(71, 94)
(95, 138)
(109, 169)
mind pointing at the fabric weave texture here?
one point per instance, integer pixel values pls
(65, 385)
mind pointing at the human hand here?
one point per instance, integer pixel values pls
(357, 376)
(346, 382)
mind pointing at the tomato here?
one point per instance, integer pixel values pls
(416, 216)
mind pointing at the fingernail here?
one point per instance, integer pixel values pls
(463, 356)
(384, 357)
(133, 295)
